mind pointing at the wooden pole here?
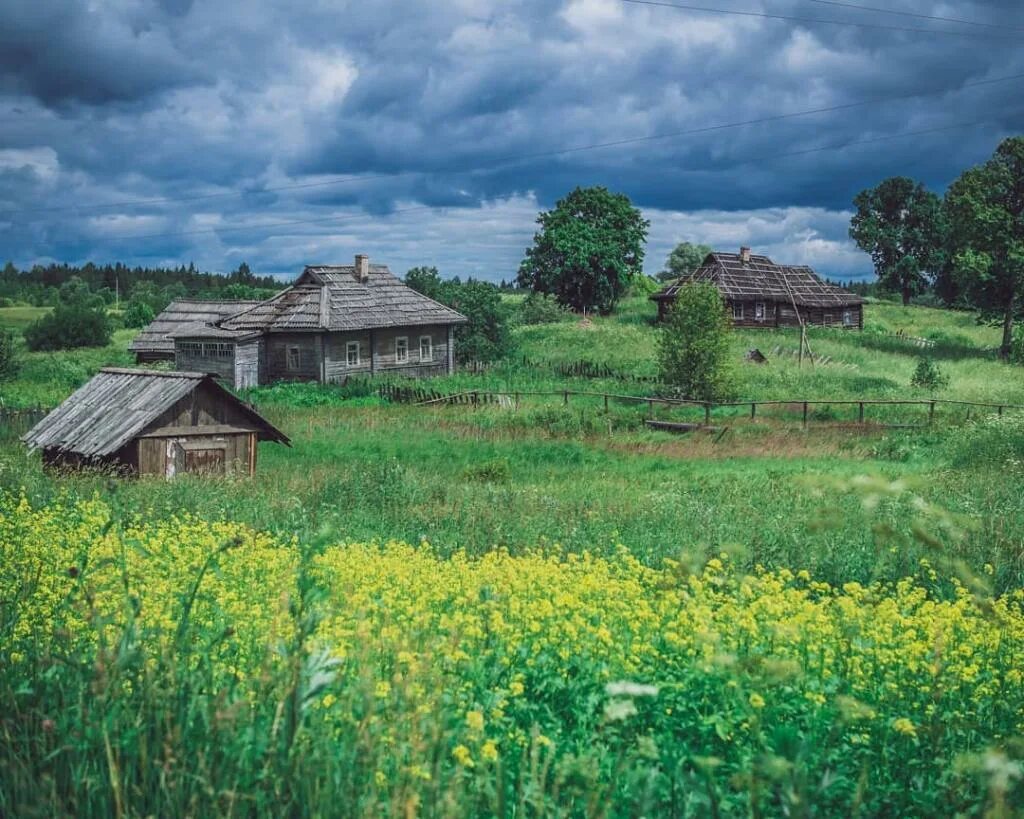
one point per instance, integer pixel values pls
(860, 414)
(565, 398)
(707, 413)
(805, 413)
(753, 409)
(606, 403)
(650, 408)
(931, 412)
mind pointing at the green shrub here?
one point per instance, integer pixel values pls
(540, 308)
(992, 441)
(137, 314)
(69, 325)
(928, 375)
(8, 358)
(695, 347)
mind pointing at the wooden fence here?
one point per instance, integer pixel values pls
(16, 422)
(800, 406)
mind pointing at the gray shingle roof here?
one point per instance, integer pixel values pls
(332, 298)
(117, 404)
(156, 337)
(761, 278)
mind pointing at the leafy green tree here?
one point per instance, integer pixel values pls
(683, 260)
(425, 280)
(899, 223)
(137, 314)
(588, 250)
(928, 375)
(77, 293)
(540, 308)
(694, 347)
(985, 212)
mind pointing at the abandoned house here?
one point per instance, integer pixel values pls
(334, 322)
(148, 422)
(155, 343)
(761, 293)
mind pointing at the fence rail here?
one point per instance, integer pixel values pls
(16, 422)
(802, 405)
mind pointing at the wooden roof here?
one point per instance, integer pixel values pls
(333, 298)
(157, 338)
(117, 405)
(761, 278)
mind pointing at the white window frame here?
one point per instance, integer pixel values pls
(760, 311)
(350, 347)
(400, 357)
(848, 318)
(429, 347)
(293, 364)
(737, 311)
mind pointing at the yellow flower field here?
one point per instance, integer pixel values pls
(581, 675)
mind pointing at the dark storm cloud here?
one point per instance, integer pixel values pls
(465, 106)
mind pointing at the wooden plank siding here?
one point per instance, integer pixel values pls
(782, 314)
(199, 357)
(281, 366)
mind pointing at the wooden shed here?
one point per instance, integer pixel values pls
(156, 341)
(149, 422)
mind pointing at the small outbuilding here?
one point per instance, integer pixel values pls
(149, 422)
(156, 341)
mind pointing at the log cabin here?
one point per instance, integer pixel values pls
(760, 293)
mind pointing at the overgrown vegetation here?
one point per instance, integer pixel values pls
(694, 346)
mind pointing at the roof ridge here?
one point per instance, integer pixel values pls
(157, 373)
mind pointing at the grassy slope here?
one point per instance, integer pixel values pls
(473, 479)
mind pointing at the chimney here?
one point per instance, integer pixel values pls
(362, 270)
(745, 255)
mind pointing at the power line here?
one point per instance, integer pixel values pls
(918, 16)
(576, 149)
(360, 216)
(815, 20)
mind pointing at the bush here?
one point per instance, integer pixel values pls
(68, 326)
(994, 441)
(928, 375)
(137, 314)
(540, 308)
(8, 360)
(694, 345)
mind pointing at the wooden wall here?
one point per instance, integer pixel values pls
(377, 353)
(160, 456)
(190, 362)
(250, 363)
(311, 357)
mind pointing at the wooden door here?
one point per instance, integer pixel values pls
(200, 459)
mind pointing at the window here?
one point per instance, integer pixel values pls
(829, 318)
(401, 349)
(737, 311)
(426, 348)
(293, 358)
(213, 349)
(759, 311)
(190, 348)
(848, 317)
(352, 353)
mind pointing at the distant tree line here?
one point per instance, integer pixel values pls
(967, 247)
(39, 286)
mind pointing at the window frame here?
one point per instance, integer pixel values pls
(349, 347)
(737, 311)
(760, 311)
(847, 317)
(293, 366)
(430, 348)
(402, 359)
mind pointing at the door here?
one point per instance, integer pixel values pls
(200, 458)
(247, 374)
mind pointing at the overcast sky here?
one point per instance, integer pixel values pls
(442, 128)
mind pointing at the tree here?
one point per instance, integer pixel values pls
(683, 260)
(899, 223)
(68, 326)
(8, 357)
(425, 280)
(694, 346)
(589, 248)
(985, 212)
(137, 314)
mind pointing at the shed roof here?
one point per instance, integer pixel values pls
(331, 297)
(117, 405)
(761, 278)
(157, 338)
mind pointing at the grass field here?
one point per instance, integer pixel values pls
(593, 618)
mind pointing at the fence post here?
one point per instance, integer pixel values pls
(1000, 410)
(606, 403)
(650, 408)
(805, 413)
(517, 402)
(753, 409)
(707, 413)
(860, 413)
(565, 398)
(931, 412)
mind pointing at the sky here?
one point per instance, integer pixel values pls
(163, 132)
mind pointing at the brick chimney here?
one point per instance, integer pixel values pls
(362, 270)
(745, 255)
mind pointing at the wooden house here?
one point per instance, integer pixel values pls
(761, 293)
(148, 422)
(334, 322)
(154, 343)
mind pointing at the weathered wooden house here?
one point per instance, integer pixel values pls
(148, 422)
(333, 322)
(155, 343)
(761, 293)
